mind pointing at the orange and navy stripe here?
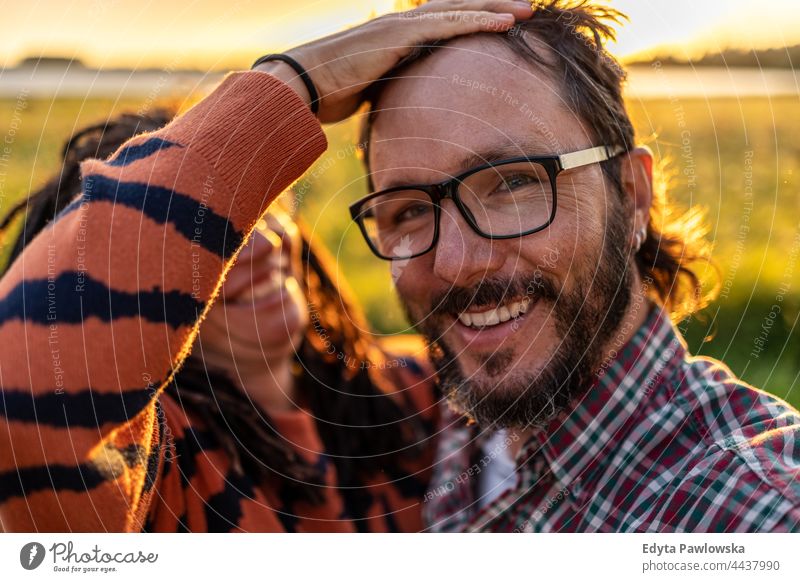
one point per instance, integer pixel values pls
(102, 305)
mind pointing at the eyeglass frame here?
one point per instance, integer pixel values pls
(553, 165)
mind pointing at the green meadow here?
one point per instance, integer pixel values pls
(737, 159)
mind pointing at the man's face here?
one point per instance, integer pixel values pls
(469, 101)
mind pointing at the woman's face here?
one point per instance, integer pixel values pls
(261, 312)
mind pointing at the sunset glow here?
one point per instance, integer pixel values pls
(219, 35)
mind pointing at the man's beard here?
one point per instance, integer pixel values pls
(585, 320)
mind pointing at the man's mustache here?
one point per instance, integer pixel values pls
(495, 291)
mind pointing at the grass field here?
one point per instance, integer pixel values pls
(738, 159)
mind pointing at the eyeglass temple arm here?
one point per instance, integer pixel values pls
(590, 156)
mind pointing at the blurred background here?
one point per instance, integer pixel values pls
(713, 90)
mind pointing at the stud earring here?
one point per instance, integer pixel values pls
(641, 236)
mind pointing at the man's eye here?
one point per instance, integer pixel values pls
(411, 212)
(516, 181)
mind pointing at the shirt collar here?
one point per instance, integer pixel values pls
(575, 443)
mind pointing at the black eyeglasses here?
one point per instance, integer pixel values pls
(500, 200)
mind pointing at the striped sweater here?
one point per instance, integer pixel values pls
(104, 304)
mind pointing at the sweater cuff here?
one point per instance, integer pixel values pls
(256, 132)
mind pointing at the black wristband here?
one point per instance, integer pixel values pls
(312, 90)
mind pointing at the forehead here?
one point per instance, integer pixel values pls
(472, 99)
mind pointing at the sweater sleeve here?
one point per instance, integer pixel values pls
(104, 304)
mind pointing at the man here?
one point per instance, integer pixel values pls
(545, 277)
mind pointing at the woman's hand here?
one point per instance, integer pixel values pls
(344, 64)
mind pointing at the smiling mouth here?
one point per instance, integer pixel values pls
(490, 317)
(263, 288)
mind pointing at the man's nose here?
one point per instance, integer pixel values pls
(462, 256)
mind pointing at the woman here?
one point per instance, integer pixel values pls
(270, 390)
(105, 303)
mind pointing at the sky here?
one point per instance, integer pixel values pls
(220, 34)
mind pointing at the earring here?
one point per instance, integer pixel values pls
(641, 236)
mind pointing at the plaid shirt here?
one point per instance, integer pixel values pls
(663, 442)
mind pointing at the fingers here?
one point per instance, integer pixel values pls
(445, 25)
(342, 64)
(519, 8)
(448, 18)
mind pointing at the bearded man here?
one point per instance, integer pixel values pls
(546, 271)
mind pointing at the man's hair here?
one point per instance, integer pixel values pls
(572, 33)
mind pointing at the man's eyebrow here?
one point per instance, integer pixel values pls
(489, 155)
(500, 152)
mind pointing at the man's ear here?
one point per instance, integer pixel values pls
(637, 183)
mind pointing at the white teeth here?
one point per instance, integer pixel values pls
(261, 289)
(491, 318)
(496, 315)
(519, 307)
